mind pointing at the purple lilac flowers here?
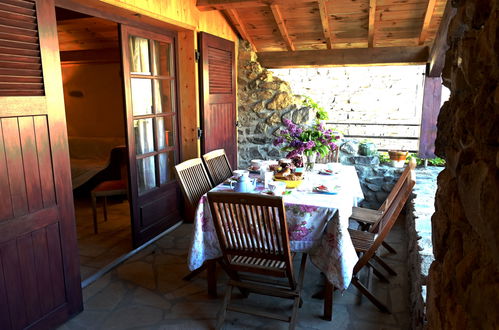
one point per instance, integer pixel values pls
(297, 140)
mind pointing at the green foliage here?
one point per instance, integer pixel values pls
(321, 113)
(383, 157)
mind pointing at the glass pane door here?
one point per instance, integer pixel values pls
(152, 89)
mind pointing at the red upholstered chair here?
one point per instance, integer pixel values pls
(105, 189)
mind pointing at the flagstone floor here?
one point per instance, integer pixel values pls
(147, 292)
(114, 237)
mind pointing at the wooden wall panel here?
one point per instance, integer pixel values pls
(13, 152)
(30, 163)
(44, 161)
(31, 279)
(26, 176)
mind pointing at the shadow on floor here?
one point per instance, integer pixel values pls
(147, 292)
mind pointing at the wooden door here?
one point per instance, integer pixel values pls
(218, 95)
(152, 130)
(39, 263)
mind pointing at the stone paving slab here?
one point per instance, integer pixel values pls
(147, 292)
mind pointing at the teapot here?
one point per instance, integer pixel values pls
(244, 183)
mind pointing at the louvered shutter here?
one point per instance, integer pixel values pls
(20, 62)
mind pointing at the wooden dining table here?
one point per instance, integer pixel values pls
(317, 224)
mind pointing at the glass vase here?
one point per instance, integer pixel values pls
(311, 162)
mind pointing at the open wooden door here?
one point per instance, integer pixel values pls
(152, 130)
(39, 263)
(218, 95)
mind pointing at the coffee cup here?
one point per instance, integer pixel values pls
(239, 173)
(256, 163)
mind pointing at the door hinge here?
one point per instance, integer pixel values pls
(200, 133)
(197, 55)
(237, 123)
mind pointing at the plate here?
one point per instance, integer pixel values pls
(267, 192)
(326, 172)
(324, 190)
(251, 170)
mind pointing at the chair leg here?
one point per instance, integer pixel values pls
(384, 265)
(369, 295)
(292, 320)
(212, 278)
(105, 208)
(223, 309)
(94, 212)
(389, 247)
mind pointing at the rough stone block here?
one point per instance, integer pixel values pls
(377, 180)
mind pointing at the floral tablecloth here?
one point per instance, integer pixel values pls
(317, 224)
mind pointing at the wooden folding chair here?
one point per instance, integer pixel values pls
(194, 182)
(253, 235)
(218, 166)
(367, 243)
(332, 157)
(369, 219)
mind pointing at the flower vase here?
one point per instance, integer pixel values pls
(311, 161)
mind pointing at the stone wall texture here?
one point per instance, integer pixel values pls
(463, 288)
(264, 101)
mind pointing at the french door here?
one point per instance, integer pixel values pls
(152, 134)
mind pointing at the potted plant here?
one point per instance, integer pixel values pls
(367, 148)
(398, 157)
(309, 141)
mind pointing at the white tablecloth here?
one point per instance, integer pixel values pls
(317, 224)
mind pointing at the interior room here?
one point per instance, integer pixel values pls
(93, 97)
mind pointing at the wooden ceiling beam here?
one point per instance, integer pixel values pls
(238, 24)
(372, 19)
(205, 5)
(345, 57)
(282, 27)
(325, 24)
(436, 59)
(427, 19)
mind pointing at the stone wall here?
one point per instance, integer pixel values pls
(463, 286)
(264, 101)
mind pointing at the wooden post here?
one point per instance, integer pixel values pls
(432, 97)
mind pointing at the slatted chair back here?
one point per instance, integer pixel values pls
(398, 185)
(332, 157)
(388, 219)
(218, 166)
(193, 179)
(253, 234)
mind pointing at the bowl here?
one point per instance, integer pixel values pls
(290, 184)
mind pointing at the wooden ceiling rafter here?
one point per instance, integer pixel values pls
(325, 24)
(426, 22)
(372, 20)
(345, 57)
(234, 18)
(282, 26)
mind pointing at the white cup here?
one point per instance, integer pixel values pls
(256, 163)
(277, 187)
(238, 173)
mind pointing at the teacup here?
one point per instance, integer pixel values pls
(277, 187)
(256, 163)
(239, 173)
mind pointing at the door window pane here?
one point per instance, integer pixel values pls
(166, 133)
(146, 177)
(139, 55)
(144, 136)
(165, 96)
(163, 59)
(141, 96)
(166, 164)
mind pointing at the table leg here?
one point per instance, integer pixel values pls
(212, 278)
(328, 301)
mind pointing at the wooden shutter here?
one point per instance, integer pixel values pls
(218, 96)
(432, 98)
(20, 62)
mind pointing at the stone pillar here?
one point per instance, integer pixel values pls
(463, 288)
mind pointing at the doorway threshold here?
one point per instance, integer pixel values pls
(104, 270)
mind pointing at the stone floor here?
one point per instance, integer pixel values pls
(147, 292)
(114, 237)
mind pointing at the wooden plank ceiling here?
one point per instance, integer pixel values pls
(279, 29)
